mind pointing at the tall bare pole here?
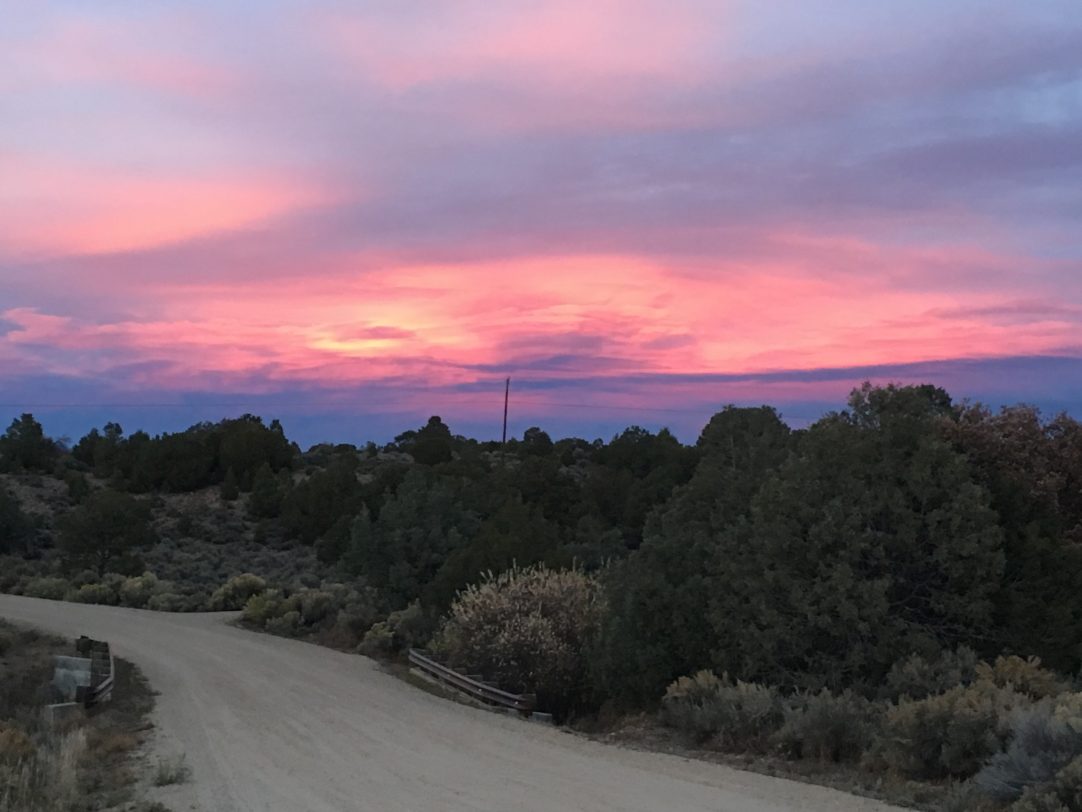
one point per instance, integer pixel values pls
(506, 395)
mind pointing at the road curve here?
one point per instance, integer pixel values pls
(273, 724)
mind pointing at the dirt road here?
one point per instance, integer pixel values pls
(279, 725)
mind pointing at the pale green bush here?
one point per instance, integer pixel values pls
(412, 626)
(948, 735)
(169, 602)
(378, 640)
(263, 607)
(286, 625)
(917, 678)
(337, 615)
(93, 593)
(407, 628)
(51, 588)
(729, 715)
(358, 613)
(1045, 738)
(235, 592)
(15, 572)
(1062, 794)
(316, 606)
(826, 727)
(113, 581)
(83, 578)
(1024, 676)
(138, 590)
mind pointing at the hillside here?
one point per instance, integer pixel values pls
(896, 589)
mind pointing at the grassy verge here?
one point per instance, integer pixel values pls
(644, 732)
(79, 764)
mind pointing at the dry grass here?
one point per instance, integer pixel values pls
(47, 780)
(173, 770)
(15, 745)
(112, 742)
(81, 764)
(644, 732)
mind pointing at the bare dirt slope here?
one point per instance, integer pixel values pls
(275, 724)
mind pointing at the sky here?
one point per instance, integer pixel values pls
(352, 215)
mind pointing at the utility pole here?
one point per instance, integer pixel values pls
(506, 395)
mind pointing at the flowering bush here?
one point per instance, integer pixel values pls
(526, 629)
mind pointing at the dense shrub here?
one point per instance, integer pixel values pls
(1045, 738)
(84, 577)
(336, 614)
(93, 593)
(356, 616)
(378, 641)
(15, 573)
(235, 592)
(172, 602)
(412, 625)
(51, 588)
(316, 606)
(262, 607)
(1062, 794)
(917, 677)
(826, 727)
(526, 629)
(407, 628)
(113, 581)
(1024, 676)
(729, 715)
(951, 734)
(138, 590)
(286, 624)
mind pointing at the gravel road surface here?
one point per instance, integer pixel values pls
(273, 724)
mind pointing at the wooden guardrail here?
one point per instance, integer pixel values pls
(472, 685)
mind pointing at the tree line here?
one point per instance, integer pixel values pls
(818, 558)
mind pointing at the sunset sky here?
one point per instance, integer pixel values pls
(354, 215)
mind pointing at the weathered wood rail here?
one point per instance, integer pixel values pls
(102, 671)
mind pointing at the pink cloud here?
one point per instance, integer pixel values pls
(559, 190)
(55, 208)
(455, 324)
(545, 42)
(146, 54)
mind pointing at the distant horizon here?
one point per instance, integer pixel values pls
(564, 411)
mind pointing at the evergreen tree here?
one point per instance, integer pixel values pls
(15, 527)
(24, 446)
(873, 542)
(657, 627)
(230, 491)
(400, 550)
(105, 533)
(515, 534)
(1027, 466)
(265, 500)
